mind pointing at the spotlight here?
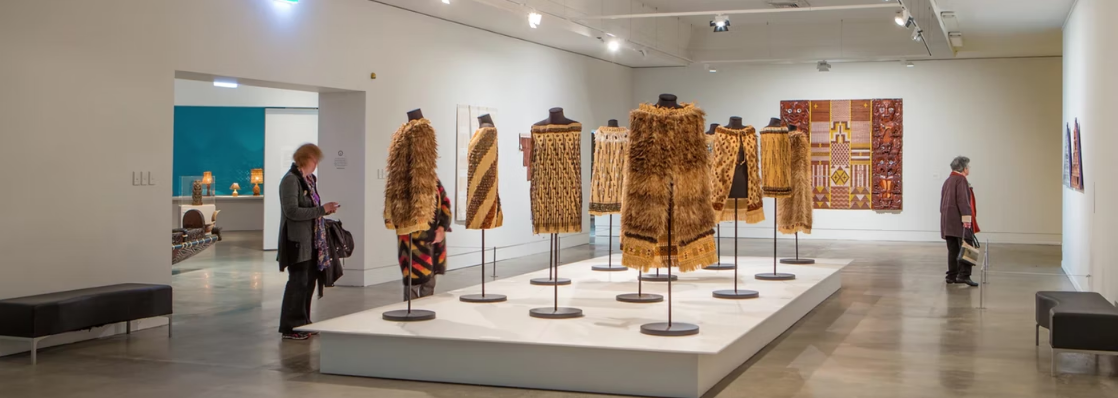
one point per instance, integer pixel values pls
(446, 1)
(613, 45)
(225, 83)
(909, 64)
(294, 1)
(534, 19)
(903, 18)
(823, 66)
(917, 35)
(721, 23)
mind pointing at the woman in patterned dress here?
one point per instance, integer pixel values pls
(427, 251)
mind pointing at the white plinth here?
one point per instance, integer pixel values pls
(603, 352)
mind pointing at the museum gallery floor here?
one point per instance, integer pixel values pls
(603, 352)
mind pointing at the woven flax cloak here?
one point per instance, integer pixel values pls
(411, 190)
(775, 166)
(667, 146)
(556, 179)
(728, 144)
(484, 208)
(794, 211)
(610, 151)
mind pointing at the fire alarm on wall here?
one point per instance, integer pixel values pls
(373, 76)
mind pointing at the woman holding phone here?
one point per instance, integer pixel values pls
(302, 239)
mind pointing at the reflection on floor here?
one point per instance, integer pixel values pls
(894, 330)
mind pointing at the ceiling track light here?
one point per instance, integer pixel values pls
(446, 1)
(613, 44)
(720, 23)
(534, 19)
(823, 66)
(908, 64)
(917, 35)
(904, 18)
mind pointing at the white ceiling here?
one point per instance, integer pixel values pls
(991, 28)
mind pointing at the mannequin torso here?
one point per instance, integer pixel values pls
(555, 117)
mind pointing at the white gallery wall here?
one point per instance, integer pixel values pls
(1004, 114)
(1090, 53)
(285, 130)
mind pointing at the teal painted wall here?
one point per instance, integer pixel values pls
(228, 141)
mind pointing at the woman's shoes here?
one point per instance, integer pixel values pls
(296, 336)
(967, 281)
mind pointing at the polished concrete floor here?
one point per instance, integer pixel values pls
(894, 330)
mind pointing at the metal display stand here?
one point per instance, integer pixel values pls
(553, 267)
(736, 294)
(483, 297)
(410, 315)
(555, 311)
(670, 328)
(774, 276)
(609, 264)
(721, 266)
(797, 260)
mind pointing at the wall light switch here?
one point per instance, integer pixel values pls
(151, 179)
(144, 177)
(135, 178)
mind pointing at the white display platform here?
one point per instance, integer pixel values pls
(602, 352)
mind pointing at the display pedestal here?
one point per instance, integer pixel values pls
(609, 262)
(736, 294)
(640, 296)
(555, 311)
(483, 297)
(774, 276)
(409, 315)
(670, 328)
(553, 263)
(797, 260)
(721, 266)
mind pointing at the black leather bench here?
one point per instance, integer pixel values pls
(34, 318)
(1077, 322)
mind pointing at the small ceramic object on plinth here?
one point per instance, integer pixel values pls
(774, 276)
(555, 311)
(670, 328)
(609, 267)
(797, 260)
(235, 187)
(552, 268)
(409, 315)
(483, 297)
(196, 193)
(736, 294)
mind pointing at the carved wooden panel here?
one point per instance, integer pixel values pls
(888, 150)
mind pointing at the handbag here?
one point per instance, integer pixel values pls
(971, 251)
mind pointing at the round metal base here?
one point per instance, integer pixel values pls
(658, 278)
(409, 316)
(769, 276)
(739, 294)
(675, 329)
(550, 282)
(639, 298)
(797, 261)
(720, 267)
(608, 268)
(478, 298)
(555, 313)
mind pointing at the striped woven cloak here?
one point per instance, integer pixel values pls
(775, 162)
(668, 175)
(556, 179)
(411, 189)
(484, 208)
(728, 144)
(610, 150)
(794, 212)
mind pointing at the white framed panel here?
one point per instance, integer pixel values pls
(284, 131)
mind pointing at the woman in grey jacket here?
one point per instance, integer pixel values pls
(302, 239)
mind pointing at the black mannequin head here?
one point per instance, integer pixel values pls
(415, 114)
(668, 101)
(775, 122)
(556, 117)
(735, 123)
(612, 123)
(713, 127)
(485, 120)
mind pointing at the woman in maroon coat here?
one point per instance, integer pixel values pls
(956, 219)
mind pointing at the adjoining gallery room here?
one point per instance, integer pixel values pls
(554, 198)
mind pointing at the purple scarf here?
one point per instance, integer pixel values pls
(323, 260)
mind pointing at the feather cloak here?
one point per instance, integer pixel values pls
(668, 176)
(728, 144)
(411, 189)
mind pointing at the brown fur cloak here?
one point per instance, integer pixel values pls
(794, 212)
(556, 179)
(484, 208)
(775, 158)
(667, 146)
(728, 143)
(411, 190)
(610, 151)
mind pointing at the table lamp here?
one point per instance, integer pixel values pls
(235, 187)
(256, 176)
(208, 180)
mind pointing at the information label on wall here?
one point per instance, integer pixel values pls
(340, 161)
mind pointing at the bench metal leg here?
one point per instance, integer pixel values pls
(169, 322)
(1038, 335)
(128, 327)
(34, 351)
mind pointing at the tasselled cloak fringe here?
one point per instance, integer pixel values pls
(411, 189)
(668, 175)
(728, 143)
(610, 151)
(794, 212)
(556, 179)
(484, 208)
(775, 162)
